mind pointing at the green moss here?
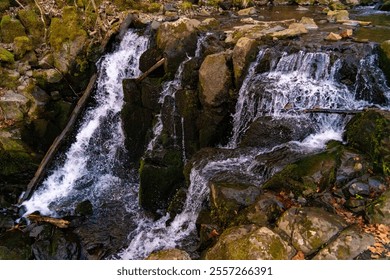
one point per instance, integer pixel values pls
(6, 56)
(277, 249)
(186, 5)
(154, 7)
(33, 24)
(11, 28)
(22, 45)
(4, 5)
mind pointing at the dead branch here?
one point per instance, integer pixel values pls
(61, 223)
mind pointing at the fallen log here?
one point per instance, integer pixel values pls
(61, 223)
(332, 111)
(41, 171)
(151, 69)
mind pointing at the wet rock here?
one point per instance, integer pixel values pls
(384, 58)
(356, 205)
(347, 33)
(369, 133)
(352, 165)
(266, 132)
(310, 228)
(250, 242)
(244, 52)
(247, 12)
(306, 176)
(349, 244)
(10, 29)
(357, 187)
(333, 37)
(309, 23)
(354, 22)
(84, 208)
(177, 39)
(335, 16)
(15, 245)
(378, 212)
(215, 79)
(149, 58)
(170, 254)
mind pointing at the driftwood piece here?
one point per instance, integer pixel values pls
(332, 111)
(41, 171)
(151, 69)
(61, 223)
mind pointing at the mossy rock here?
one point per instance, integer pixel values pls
(170, 254)
(384, 58)
(369, 132)
(6, 56)
(250, 242)
(15, 245)
(11, 28)
(33, 24)
(307, 176)
(4, 5)
(385, 6)
(378, 212)
(22, 45)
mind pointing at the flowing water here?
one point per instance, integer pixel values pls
(92, 168)
(288, 84)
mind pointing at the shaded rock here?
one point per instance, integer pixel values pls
(310, 228)
(333, 37)
(84, 208)
(384, 58)
(215, 79)
(347, 33)
(357, 187)
(15, 245)
(177, 39)
(385, 6)
(352, 165)
(335, 16)
(250, 243)
(4, 5)
(10, 29)
(369, 132)
(349, 244)
(149, 58)
(170, 254)
(356, 205)
(306, 176)
(267, 132)
(243, 53)
(378, 212)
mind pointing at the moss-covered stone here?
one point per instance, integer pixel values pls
(170, 254)
(33, 24)
(384, 58)
(22, 45)
(11, 28)
(243, 53)
(15, 245)
(250, 243)
(4, 5)
(378, 211)
(369, 132)
(6, 56)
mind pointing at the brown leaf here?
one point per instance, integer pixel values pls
(299, 256)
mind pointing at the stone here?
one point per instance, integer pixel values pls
(369, 132)
(357, 187)
(33, 24)
(247, 12)
(243, 53)
(347, 33)
(384, 58)
(209, 23)
(309, 227)
(349, 244)
(353, 2)
(22, 45)
(378, 212)
(385, 6)
(6, 56)
(10, 29)
(309, 23)
(250, 242)
(336, 16)
(305, 2)
(215, 79)
(294, 30)
(170, 254)
(15, 245)
(354, 22)
(14, 106)
(333, 37)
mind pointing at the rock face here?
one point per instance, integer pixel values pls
(310, 228)
(215, 79)
(243, 53)
(379, 210)
(369, 133)
(170, 254)
(250, 243)
(349, 244)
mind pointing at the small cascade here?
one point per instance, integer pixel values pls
(92, 168)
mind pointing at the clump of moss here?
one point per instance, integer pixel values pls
(4, 5)
(33, 24)
(11, 28)
(6, 56)
(22, 45)
(186, 5)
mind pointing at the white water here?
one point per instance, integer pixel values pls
(90, 166)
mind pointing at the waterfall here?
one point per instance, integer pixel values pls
(92, 168)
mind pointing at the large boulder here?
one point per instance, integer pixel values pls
(243, 53)
(250, 242)
(369, 132)
(309, 228)
(339, 15)
(177, 39)
(349, 244)
(14, 106)
(33, 24)
(10, 29)
(215, 79)
(294, 30)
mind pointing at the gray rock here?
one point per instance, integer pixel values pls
(310, 228)
(379, 211)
